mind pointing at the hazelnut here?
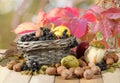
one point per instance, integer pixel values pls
(86, 67)
(109, 61)
(17, 67)
(51, 71)
(88, 74)
(60, 69)
(66, 74)
(82, 63)
(79, 72)
(96, 70)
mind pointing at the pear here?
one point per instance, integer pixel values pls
(60, 29)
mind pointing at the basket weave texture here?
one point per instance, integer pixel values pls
(45, 52)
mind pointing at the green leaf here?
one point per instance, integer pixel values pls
(111, 69)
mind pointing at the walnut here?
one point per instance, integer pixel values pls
(91, 64)
(88, 74)
(11, 64)
(96, 70)
(82, 63)
(60, 69)
(66, 74)
(57, 65)
(17, 67)
(79, 72)
(51, 71)
(86, 67)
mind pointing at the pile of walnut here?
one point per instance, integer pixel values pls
(14, 65)
(86, 71)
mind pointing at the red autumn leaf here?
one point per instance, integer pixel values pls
(112, 13)
(25, 27)
(81, 29)
(63, 12)
(41, 19)
(89, 16)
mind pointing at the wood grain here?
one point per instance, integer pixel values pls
(111, 77)
(59, 79)
(17, 77)
(96, 79)
(4, 72)
(42, 79)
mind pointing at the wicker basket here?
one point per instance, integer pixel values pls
(45, 52)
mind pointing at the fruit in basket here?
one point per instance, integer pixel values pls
(81, 48)
(70, 61)
(58, 31)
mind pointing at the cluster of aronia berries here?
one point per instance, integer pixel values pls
(46, 35)
(34, 66)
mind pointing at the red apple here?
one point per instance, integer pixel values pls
(82, 46)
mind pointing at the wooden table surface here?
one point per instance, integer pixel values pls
(9, 76)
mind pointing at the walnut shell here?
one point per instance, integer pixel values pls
(57, 65)
(79, 72)
(96, 70)
(88, 74)
(66, 74)
(86, 67)
(11, 64)
(82, 63)
(51, 71)
(60, 69)
(17, 67)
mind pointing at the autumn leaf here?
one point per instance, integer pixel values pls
(25, 28)
(81, 30)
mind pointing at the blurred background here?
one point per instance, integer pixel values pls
(14, 12)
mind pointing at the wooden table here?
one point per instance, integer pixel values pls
(9, 76)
